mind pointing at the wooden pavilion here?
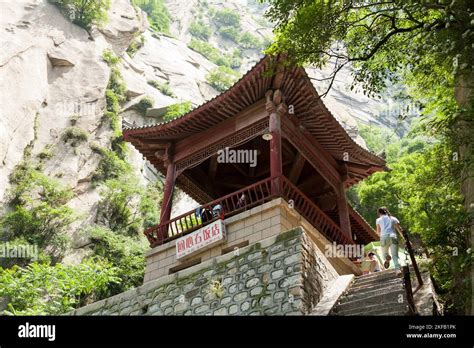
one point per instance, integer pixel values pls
(304, 155)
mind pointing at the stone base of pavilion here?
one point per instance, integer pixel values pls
(247, 228)
(280, 273)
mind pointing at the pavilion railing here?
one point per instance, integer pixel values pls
(311, 212)
(231, 204)
(245, 199)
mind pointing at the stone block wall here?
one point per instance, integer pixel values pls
(251, 226)
(284, 274)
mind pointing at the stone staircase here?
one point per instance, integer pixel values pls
(374, 294)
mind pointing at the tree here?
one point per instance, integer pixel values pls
(158, 14)
(429, 46)
(221, 78)
(85, 13)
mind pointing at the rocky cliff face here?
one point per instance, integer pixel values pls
(53, 76)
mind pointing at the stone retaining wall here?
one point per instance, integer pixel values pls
(284, 274)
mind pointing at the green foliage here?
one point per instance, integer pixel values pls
(46, 153)
(110, 58)
(428, 47)
(158, 15)
(117, 85)
(111, 166)
(422, 190)
(135, 45)
(231, 33)
(43, 289)
(177, 110)
(115, 94)
(227, 17)
(247, 40)
(213, 54)
(95, 147)
(221, 78)
(75, 135)
(145, 103)
(206, 49)
(126, 206)
(85, 13)
(40, 215)
(200, 30)
(162, 87)
(125, 253)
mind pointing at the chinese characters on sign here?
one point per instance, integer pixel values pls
(206, 236)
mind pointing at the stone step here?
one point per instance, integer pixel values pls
(373, 309)
(380, 299)
(376, 274)
(373, 286)
(364, 293)
(396, 313)
(375, 280)
(375, 277)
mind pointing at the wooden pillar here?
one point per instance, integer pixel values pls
(166, 203)
(342, 208)
(276, 168)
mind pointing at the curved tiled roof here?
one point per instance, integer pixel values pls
(297, 90)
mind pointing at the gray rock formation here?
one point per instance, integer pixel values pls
(52, 71)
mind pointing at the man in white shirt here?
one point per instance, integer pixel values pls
(387, 227)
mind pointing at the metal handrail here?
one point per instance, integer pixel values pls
(412, 258)
(408, 290)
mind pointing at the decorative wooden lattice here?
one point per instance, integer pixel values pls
(234, 140)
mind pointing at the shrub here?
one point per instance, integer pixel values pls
(249, 41)
(119, 146)
(206, 49)
(111, 117)
(125, 253)
(46, 153)
(158, 15)
(110, 58)
(236, 59)
(84, 13)
(117, 85)
(75, 135)
(162, 87)
(177, 110)
(95, 147)
(230, 33)
(200, 30)
(39, 214)
(135, 45)
(227, 17)
(43, 289)
(126, 206)
(111, 166)
(221, 78)
(210, 52)
(145, 103)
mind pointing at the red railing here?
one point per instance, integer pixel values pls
(231, 204)
(242, 200)
(311, 212)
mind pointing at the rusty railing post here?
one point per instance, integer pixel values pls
(408, 290)
(412, 258)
